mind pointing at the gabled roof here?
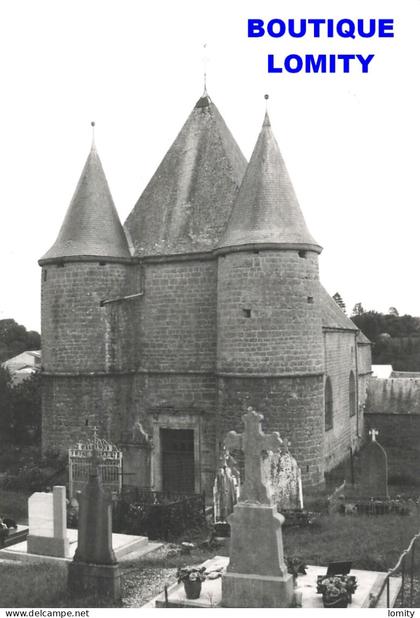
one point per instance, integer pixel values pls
(91, 227)
(186, 205)
(332, 315)
(266, 210)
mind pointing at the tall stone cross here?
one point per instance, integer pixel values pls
(252, 442)
(373, 433)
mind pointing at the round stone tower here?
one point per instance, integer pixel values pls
(270, 343)
(84, 275)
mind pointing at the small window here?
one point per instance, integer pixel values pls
(302, 254)
(352, 394)
(328, 404)
(310, 300)
(45, 274)
(246, 313)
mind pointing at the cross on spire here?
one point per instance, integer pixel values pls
(205, 64)
(92, 124)
(252, 442)
(373, 433)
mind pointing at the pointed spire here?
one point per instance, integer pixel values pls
(91, 227)
(186, 205)
(266, 210)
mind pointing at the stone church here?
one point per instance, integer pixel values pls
(163, 331)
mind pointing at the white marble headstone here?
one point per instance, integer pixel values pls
(47, 523)
(41, 514)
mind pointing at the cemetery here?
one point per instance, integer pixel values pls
(260, 543)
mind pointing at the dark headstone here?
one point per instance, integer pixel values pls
(95, 525)
(374, 470)
(94, 569)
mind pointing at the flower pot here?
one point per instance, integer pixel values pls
(192, 588)
(340, 601)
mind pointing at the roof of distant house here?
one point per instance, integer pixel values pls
(381, 371)
(23, 365)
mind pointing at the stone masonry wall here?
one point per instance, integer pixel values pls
(69, 401)
(364, 366)
(78, 335)
(178, 316)
(269, 318)
(340, 360)
(269, 332)
(393, 396)
(292, 406)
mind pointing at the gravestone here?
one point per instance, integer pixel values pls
(136, 446)
(283, 474)
(256, 575)
(47, 523)
(94, 569)
(374, 469)
(225, 489)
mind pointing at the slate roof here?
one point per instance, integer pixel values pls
(362, 339)
(332, 315)
(91, 227)
(266, 210)
(186, 204)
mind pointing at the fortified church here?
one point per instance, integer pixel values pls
(163, 331)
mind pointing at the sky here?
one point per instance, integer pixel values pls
(350, 141)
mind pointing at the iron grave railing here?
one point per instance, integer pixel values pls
(95, 452)
(158, 514)
(405, 568)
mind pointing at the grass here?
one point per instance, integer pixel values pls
(31, 585)
(370, 542)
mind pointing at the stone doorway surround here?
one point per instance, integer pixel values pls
(174, 420)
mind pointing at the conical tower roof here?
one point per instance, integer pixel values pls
(266, 211)
(186, 205)
(91, 227)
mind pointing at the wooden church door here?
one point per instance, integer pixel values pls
(177, 452)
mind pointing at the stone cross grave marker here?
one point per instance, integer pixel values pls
(47, 523)
(256, 575)
(374, 469)
(252, 442)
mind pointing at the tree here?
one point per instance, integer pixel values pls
(20, 409)
(357, 309)
(393, 311)
(25, 425)
(340, 302)
(14, 339)
(5, 404)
